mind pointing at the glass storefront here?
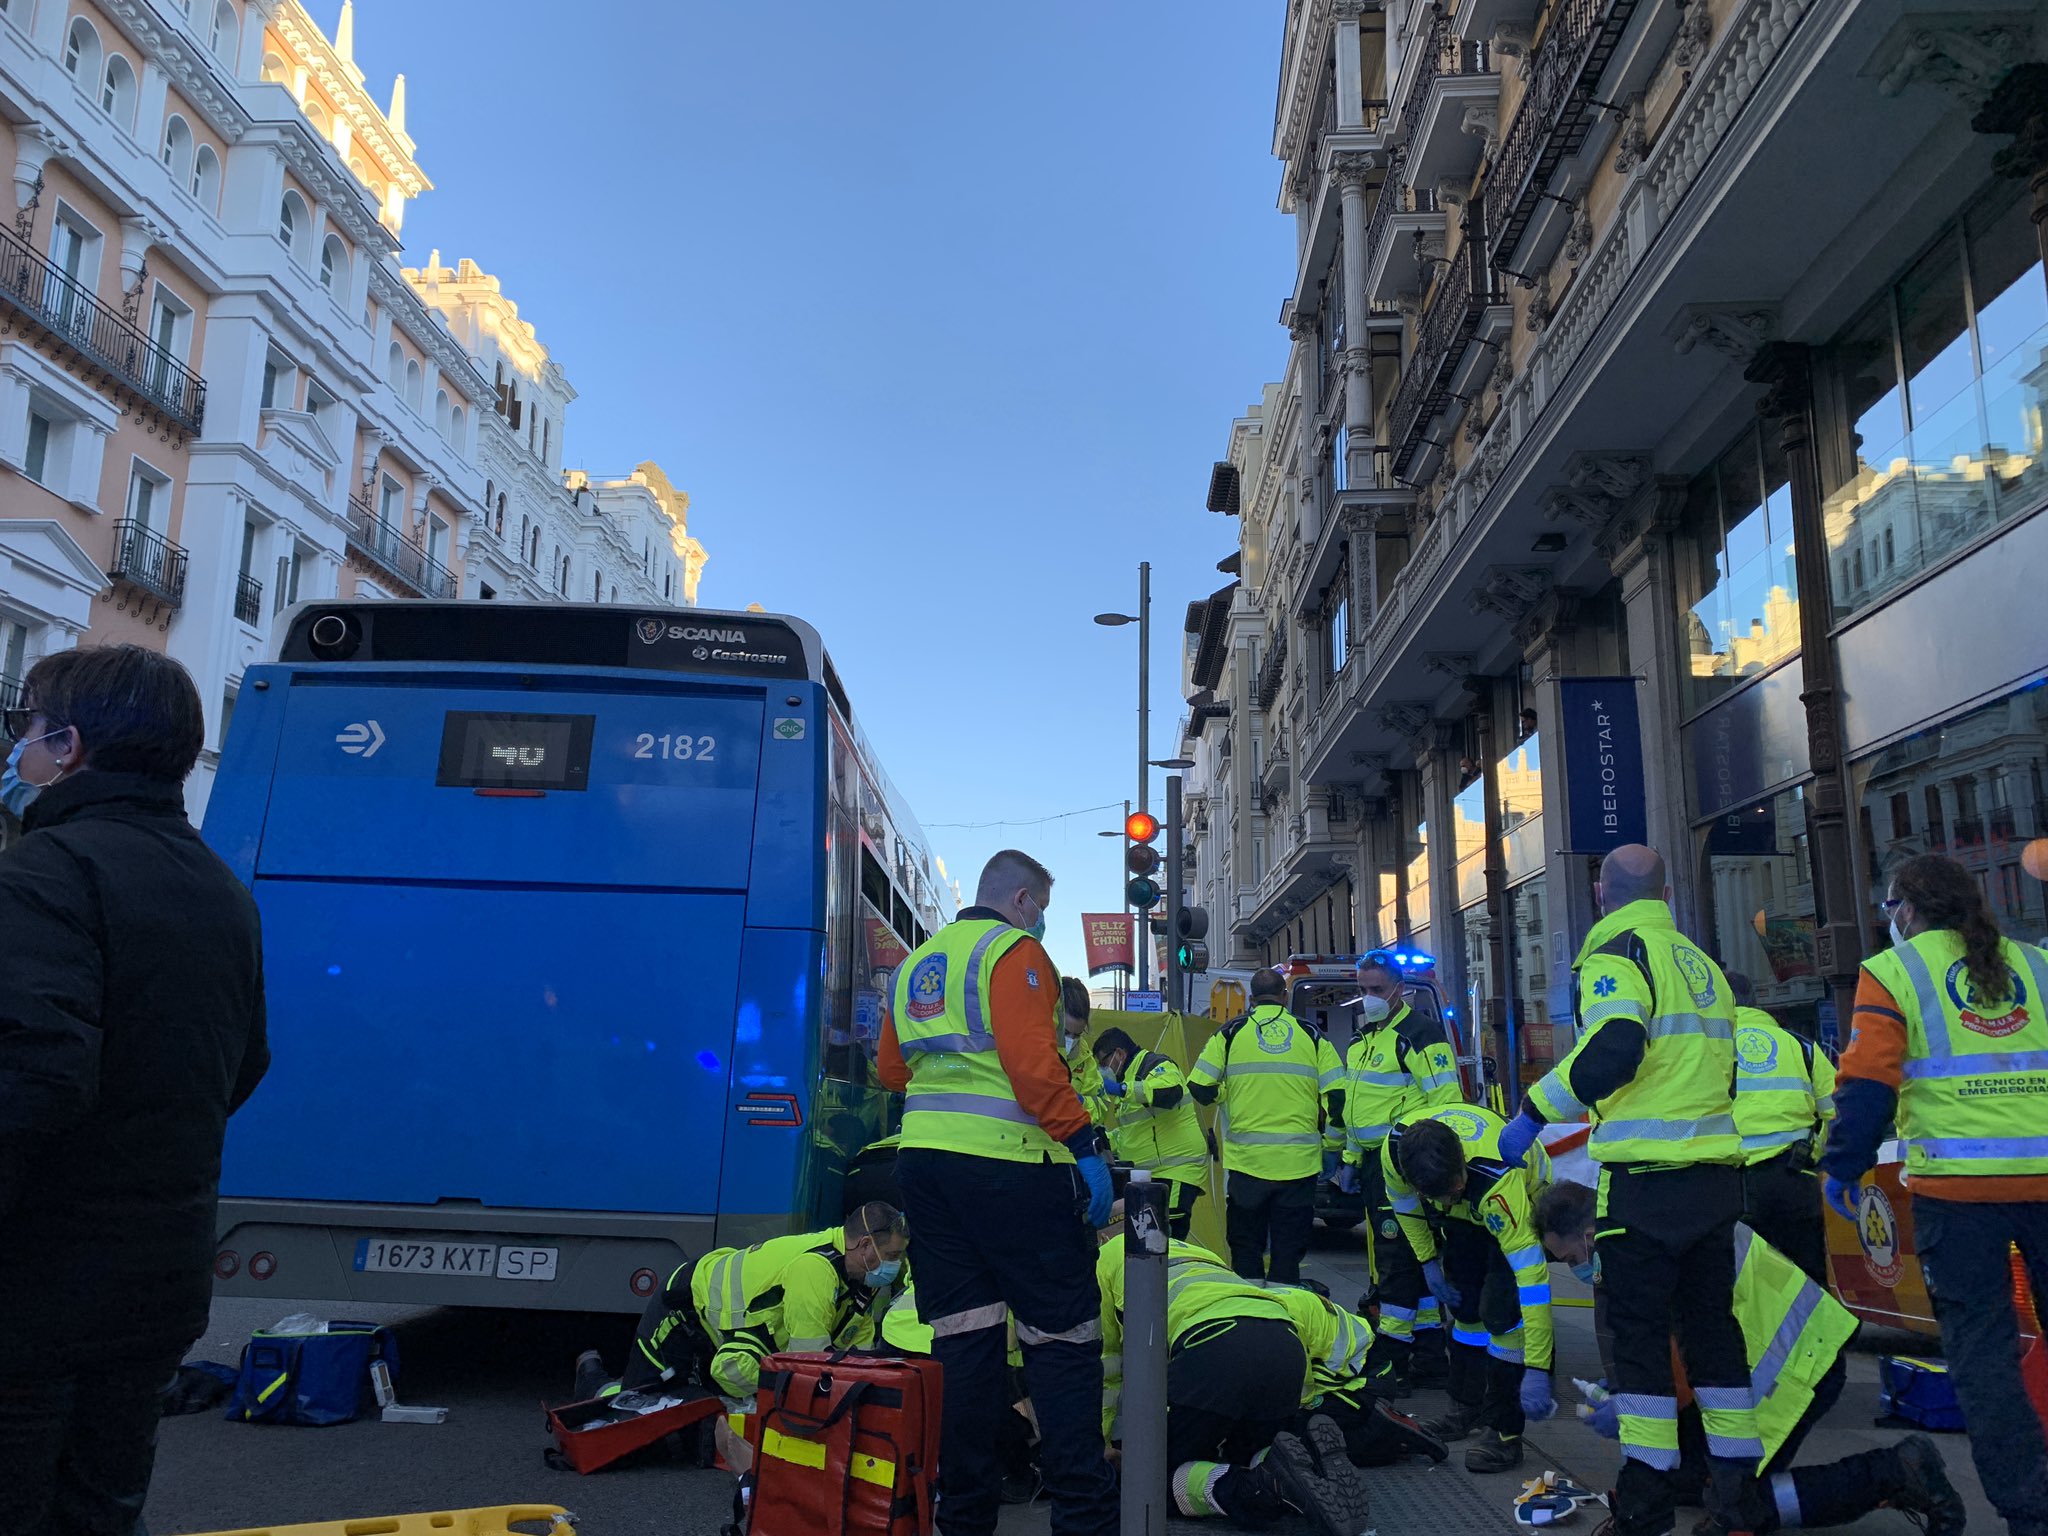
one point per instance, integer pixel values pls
(1939, 388)
(1760, 882)
(1974, 788)
(1415, 877)
(1738, 587)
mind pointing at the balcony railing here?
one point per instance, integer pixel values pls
(37, 289)
(1464, 293)
(147, 560)
(10, 692)
(248, 598)
(1556, 114)
(1395, 198)
(383, 547)
(1443, 53)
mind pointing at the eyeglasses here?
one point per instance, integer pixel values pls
(1891, 904)
(16, 721)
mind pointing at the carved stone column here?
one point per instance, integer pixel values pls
(2019, 106)
(1785, 368)
(1352, 173)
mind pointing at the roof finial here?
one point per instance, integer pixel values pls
(397, 113)
(345, 32)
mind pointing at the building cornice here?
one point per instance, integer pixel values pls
(319, 169)
(343, 82)
(390, 289)
(190, 68)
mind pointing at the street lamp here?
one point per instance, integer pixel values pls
(1143, 619)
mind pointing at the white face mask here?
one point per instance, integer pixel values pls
(1898, 938)
(1374, 1009)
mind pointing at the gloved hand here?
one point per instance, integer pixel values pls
(1537, 1400)
(1101, 1193)
(1440, 1288)
(1844, 1196)
(1113, 1086)
(1600, 1411)
(1516, 1139)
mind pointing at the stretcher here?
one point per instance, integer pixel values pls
(495, 1521)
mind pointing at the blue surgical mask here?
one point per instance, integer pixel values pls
(882, 1274)
(1037, 929)
(16, 793)
(1588, 1272)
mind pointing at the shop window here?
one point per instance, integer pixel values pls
(1988, 766)
(1938, 394)
(1760, 877)
(1737, 579)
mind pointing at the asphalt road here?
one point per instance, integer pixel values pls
(492, 1371)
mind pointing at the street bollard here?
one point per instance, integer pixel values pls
(1143, 1403)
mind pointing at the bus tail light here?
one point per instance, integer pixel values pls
(643, 1283)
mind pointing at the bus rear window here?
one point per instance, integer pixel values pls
(501, 751)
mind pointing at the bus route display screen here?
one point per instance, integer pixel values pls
(500, 751)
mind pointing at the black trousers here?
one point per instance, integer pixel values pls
(1759, 1509)
(992, 1234)
(1231, 1388)
(1964, 1247)
(77, 1448)
(1666, 1243)
(1180, 1215)
(1489, 1306)
(1269, 1214)
(1408, 1319)
(1781, 1204)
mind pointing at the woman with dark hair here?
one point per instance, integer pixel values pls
(131, 1027)
(1951, 1038)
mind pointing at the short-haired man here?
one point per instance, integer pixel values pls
(1003, 1184)
(1400, 1063)
(720, 1316)
(1654, 1071)
(1444, 1174)
(1275, 1077)
(1153, 1123)
(1795, 1381)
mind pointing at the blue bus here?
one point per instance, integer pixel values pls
(577, 924)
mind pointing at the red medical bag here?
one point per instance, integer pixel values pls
(595, 1434)
(844, 1445)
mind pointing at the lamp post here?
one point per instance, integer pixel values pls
(1143, 619)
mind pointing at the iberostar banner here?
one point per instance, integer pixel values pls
(1109, 936)
(1603, 764)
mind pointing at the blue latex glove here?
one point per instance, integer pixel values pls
(1113, 1086)
(1101, 1193)
(1605, 1419)
(1440, 1288)
(1844, 1195)
(1516, 1139)
(1537, 1400)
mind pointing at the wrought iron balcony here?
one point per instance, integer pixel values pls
(1467, 289)
(1444, 53)
(107, 342)
(385, 549)
(248, 599)
(10, 692)
(1556, 114)
(148, 561)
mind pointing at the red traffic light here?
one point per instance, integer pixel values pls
(1141, 826)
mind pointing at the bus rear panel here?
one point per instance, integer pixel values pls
(541, 947)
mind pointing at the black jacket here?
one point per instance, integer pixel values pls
(131, 1026)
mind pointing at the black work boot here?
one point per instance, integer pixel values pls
(1337, 1505)
(1389, 1435)
(1494, 1452)
(1919, 1486)
(1454, 1424)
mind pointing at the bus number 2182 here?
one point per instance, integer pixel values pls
(679, 749)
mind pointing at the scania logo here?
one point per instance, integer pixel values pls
(651, 631)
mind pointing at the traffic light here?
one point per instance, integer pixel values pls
(1142, 860)
(1191, 926)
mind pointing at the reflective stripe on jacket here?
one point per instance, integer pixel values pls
(1272, 1072)
(1784, 1087)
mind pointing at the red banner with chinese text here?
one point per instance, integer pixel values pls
(1109, 936)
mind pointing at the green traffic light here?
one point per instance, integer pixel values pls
(1142, 893)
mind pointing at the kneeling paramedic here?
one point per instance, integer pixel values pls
(1795, 1381)
(1234, 1381)
(1003, 1184)
(1153, 1124)
(720, 1316)
(1444, 1168)
(1339, 1345)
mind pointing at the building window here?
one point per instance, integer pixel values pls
(442, 422)
(564, 583)
(177, 151)
(276, 71)
(437, 540)
(226, 33)
(334, 267)
(82, 52)
(1736, 576)
(1937, 402)
(500, 524)
(117, 92)
(149, 497)
(205, 185)
(394, 367)
(292, 222)
(389, 513)
(415, 382)
(36, 459)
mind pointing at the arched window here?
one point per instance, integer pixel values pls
(294, 224)
(442, 423)
(361, 168)
(206, 178)
(117, 91)
(226, 33)
(394, 366)
(597, 586)
(334, 267)
(415, 382)
(501, 515)
(565, 576)
(317, 116)
(490, 490)
(456, 422)
(276, 71)
(82, 52)
(178, 149)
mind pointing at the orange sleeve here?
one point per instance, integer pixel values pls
(1023, 991)
(889, 1063)
(1877, 1036)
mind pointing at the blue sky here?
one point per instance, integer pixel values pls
(940, 311)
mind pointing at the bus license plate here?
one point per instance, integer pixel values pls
(400, 1255)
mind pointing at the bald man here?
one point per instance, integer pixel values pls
(1654, 1072)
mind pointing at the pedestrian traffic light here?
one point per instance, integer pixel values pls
(1192, 956)
(1142, 860)
(1191, 923)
